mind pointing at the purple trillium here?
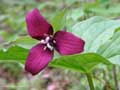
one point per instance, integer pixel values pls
(41, 54)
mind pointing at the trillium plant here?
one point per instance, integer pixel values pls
(65, 43)
(83, 43)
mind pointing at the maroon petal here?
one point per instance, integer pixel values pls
(67, 43)
(38, 59)
(37, 26)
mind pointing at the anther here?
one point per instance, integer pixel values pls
(43, 42)
(49, 46)
(54, 41)
(47, 39)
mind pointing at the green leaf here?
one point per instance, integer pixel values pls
(111, 49)
(98, 35)
(81, 62)
(25, 42)
(95, 31)
(14, 53)
(58, 22)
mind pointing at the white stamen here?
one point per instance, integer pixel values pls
(54, 41)
(43, 41)
(47, 39)
(47, 43)
(49, 46)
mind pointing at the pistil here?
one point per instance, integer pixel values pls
(49, 43)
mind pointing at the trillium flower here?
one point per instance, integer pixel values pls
(41, 54)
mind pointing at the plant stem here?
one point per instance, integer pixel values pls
(90, 81)
(115, 78)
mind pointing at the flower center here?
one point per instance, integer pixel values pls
(49, 42)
